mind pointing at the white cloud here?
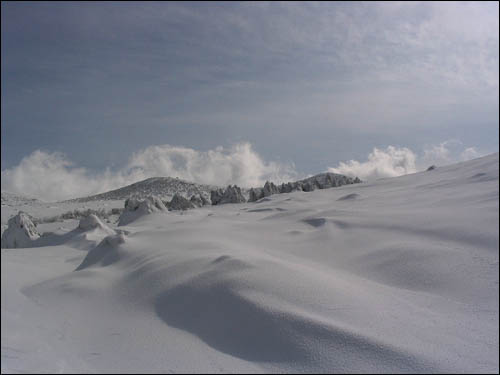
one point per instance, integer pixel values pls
(397, 161)
(439, 154)
(470, 153)
(239, 165)
(447, 152)
(51, 176)
(391, 162)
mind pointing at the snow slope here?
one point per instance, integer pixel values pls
(398, 275)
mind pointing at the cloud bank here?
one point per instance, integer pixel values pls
(391, 162)
(398, 161)
(51, 176)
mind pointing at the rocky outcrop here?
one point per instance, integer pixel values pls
(255, 194)
(307, 186)
(232, 194)
(178, 202)
(199, 200)
(21, 232)
(216, 196)
(270, 189)
(320, 181)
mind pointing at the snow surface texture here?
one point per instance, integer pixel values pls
(397, 275)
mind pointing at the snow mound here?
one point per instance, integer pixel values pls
(105, 253)
(92, 222)
(21, 232)
(135, 208)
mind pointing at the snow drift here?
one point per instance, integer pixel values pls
(396, 275)
(93, 222)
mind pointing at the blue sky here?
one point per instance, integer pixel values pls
(308, 85)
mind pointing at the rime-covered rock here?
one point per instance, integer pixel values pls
(270, 189)
(232, 194)
(255, 194)
(21, 232)
(307, 186)
(178, 202)
(283, 188)
(199, 200)
(135, 208)
(319, 181)
(216, 196)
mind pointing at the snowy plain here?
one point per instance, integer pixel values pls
(397, 275)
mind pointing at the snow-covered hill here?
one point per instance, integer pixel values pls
(163, 187)
(396, 275)
(11, 199)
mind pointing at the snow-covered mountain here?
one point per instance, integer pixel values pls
(167, 187)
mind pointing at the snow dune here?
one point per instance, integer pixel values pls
(398, 275)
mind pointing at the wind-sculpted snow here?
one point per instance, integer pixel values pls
(92, 222)
(105, 253)
(135, 208)
(398, 275)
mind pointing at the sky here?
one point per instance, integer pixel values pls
(100, 94)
